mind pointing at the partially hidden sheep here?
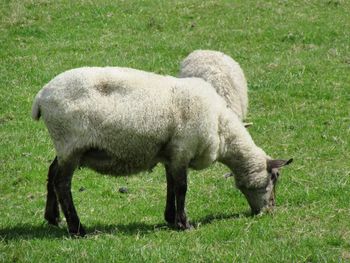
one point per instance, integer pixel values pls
(223, 73)
(121, 121)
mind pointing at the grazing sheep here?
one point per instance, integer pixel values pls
(121, 121)
(223, 73)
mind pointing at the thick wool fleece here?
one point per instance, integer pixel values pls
(137, 119)
(223, 73)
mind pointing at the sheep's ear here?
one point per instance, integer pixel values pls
(274, 165)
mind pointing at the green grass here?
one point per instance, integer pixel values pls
(296, 57)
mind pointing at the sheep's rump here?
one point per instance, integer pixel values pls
(223, 73)
(122, 121)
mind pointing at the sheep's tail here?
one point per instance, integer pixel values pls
(36, 108)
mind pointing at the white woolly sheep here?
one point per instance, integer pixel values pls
(121, 121)
(223, 73)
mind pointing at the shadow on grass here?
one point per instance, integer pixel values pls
(210, 218)
(26, 231)
(44, 231)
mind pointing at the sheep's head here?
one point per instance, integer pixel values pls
(262, 198)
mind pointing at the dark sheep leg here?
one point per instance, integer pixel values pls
(180, 188)
(169, 213)
(52, 212)
(62, 183)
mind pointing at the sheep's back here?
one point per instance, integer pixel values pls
(223, 73)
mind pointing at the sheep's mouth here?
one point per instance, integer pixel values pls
(267, 209)
(255, 211)
(272, 199)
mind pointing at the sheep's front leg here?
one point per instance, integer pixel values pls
(62, 184)
(52, 213)
(169, 213)
(180, 189)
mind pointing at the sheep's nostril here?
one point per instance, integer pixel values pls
(255, 211)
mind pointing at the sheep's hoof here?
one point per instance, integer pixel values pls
(52, 220)
(169, 217)
(77, 233)
(183, 225)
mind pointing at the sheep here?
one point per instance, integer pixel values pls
(122, 121)
(223, 73)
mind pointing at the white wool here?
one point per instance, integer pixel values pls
(223, 73)
(141, 118)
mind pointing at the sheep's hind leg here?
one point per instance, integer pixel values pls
(62, 184)
(52, 213)
(169, 213)
(180, 188)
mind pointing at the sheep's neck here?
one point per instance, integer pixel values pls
(239, 151)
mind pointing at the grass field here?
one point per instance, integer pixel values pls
(296, 56)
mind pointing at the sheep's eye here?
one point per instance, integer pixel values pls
(274, 177)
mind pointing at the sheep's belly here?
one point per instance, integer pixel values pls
(105, 163)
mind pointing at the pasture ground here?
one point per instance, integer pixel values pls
(296, 57)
